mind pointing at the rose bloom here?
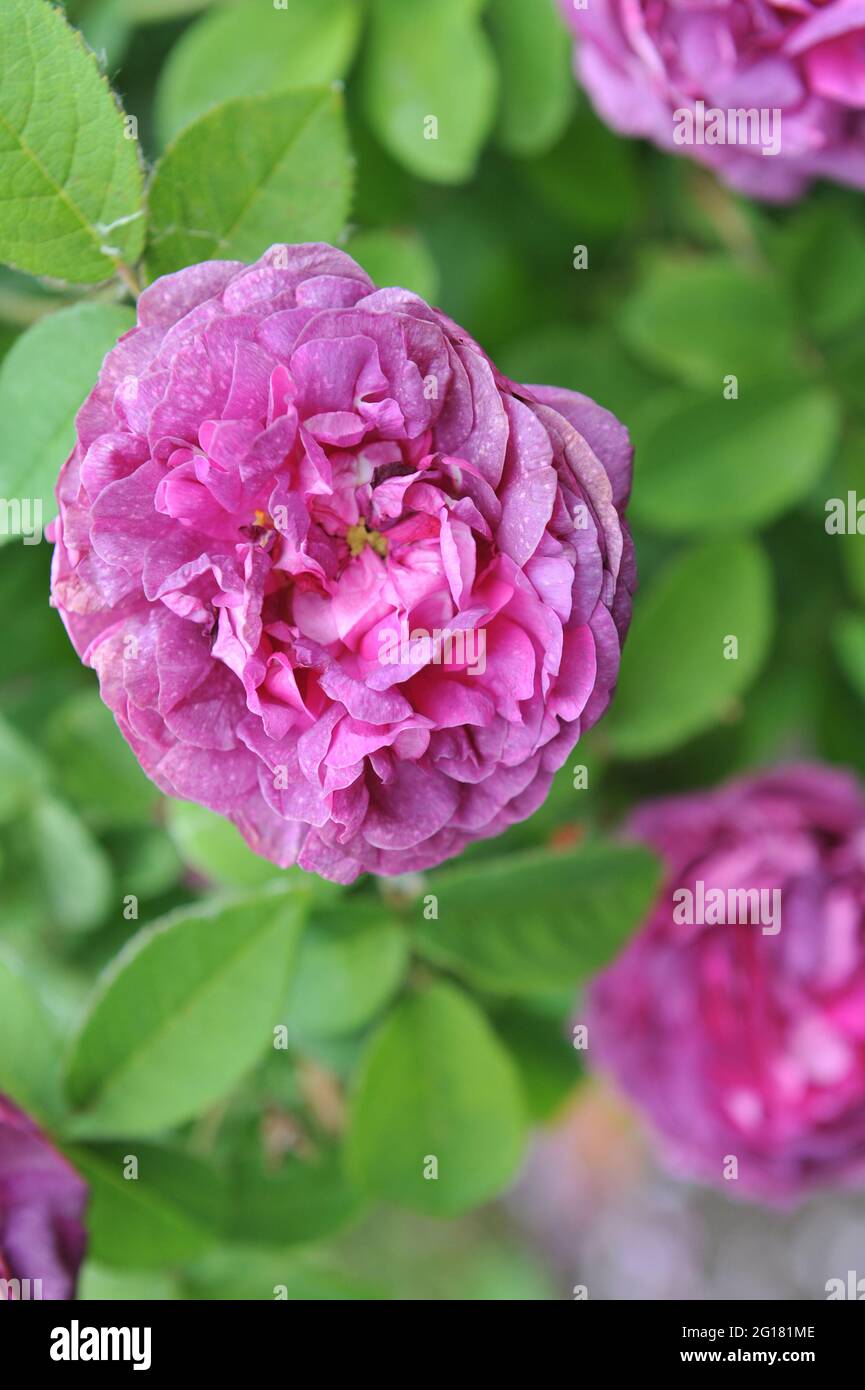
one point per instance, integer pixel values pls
(641, 61)
(42, 1202)
(282, 474)
(731, 1039)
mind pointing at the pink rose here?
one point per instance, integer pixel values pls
(742, 1037)
(659, 69)
(341, 580)
(42, 1202)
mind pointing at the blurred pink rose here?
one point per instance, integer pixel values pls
(42, 1202)
(650, 65)
(283, 475)
(741, 1039)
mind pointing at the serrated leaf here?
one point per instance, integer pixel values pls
(676, 680)
(250, 173)
(70, 182)
(44, 379)
(540, 919)
(172, 1209)
(249, 51)
(537, 87)
(430, 63)
(436, 1087)
(183, 1013)
(708, 465)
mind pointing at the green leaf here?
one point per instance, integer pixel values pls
(145, 861)
(101, 1284)
(425, 64)
(253, 51)
(397, 258)
(830, 288)
(173, 1209)
(676, 680)
(70, 182)
(94, 766)
(852, 479)
(436, 1086)
(540, 919)
(215, 847)
(848, 635)
(22, 770)
(74, 870)
(182, 1015)
(44, 380)
(303, 1201)
(704, 319)
(154, 11)
(711, 465)
(589, 182)
(107, 28)
(537, 87)
(586, 359)
(542, 1049)
(250, 173)
(352, 958)
(28, 1046)
(300, 1276)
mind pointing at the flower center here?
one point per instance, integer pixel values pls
(358, 536)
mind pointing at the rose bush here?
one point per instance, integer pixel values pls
(280, 475)
(42, 1201)
(732, 1040)
(643, 62)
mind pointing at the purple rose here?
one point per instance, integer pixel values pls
(735, 1019)
(769, 93)
(340, 579)
(42, 1202)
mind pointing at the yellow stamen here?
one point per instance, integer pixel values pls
(358, 536)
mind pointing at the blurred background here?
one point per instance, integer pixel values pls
(584, 260)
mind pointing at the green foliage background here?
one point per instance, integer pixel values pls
(281, 1055)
